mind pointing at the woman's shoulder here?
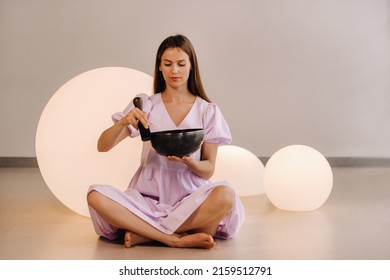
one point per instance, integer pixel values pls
(205, 103)
(155, 98)
(207, 107)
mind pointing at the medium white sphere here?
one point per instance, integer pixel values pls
(298, 178)
(69, 128)
(241, 168)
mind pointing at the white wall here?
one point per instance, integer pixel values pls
(282, 72)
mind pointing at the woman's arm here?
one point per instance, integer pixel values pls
(112, 136)
(119, 131)
(206, 166)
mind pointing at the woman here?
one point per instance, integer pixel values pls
(170, 199)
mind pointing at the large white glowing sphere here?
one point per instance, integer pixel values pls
(298, 178)
(70, 126)
(241, 168)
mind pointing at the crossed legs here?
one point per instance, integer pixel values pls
(197, 231)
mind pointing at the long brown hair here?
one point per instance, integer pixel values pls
(194, 82)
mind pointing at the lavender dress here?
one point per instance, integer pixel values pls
(165, 193)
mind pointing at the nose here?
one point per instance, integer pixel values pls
(175, 69)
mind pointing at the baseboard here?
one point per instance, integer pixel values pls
(18, 162)
(358, 162)
(350, 161)
(333, 161)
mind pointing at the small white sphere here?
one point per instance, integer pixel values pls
(298, 178)
(241, 168)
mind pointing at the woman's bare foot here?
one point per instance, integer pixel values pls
(196, 240)
(132, 239)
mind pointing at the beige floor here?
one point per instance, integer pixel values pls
(353, 224)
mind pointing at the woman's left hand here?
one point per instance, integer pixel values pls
(205, 166)
(186, 159)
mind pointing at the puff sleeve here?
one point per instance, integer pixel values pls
(215, 126)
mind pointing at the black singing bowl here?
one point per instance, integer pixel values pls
(177, 142)
(180, 143)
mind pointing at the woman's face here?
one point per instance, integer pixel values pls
(175, 67)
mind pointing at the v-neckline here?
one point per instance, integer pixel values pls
(185, 117)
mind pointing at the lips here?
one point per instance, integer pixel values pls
(175, 79)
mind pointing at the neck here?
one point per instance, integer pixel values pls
(177, 95)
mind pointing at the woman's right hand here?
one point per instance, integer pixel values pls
(119, 131)
(133, 117)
